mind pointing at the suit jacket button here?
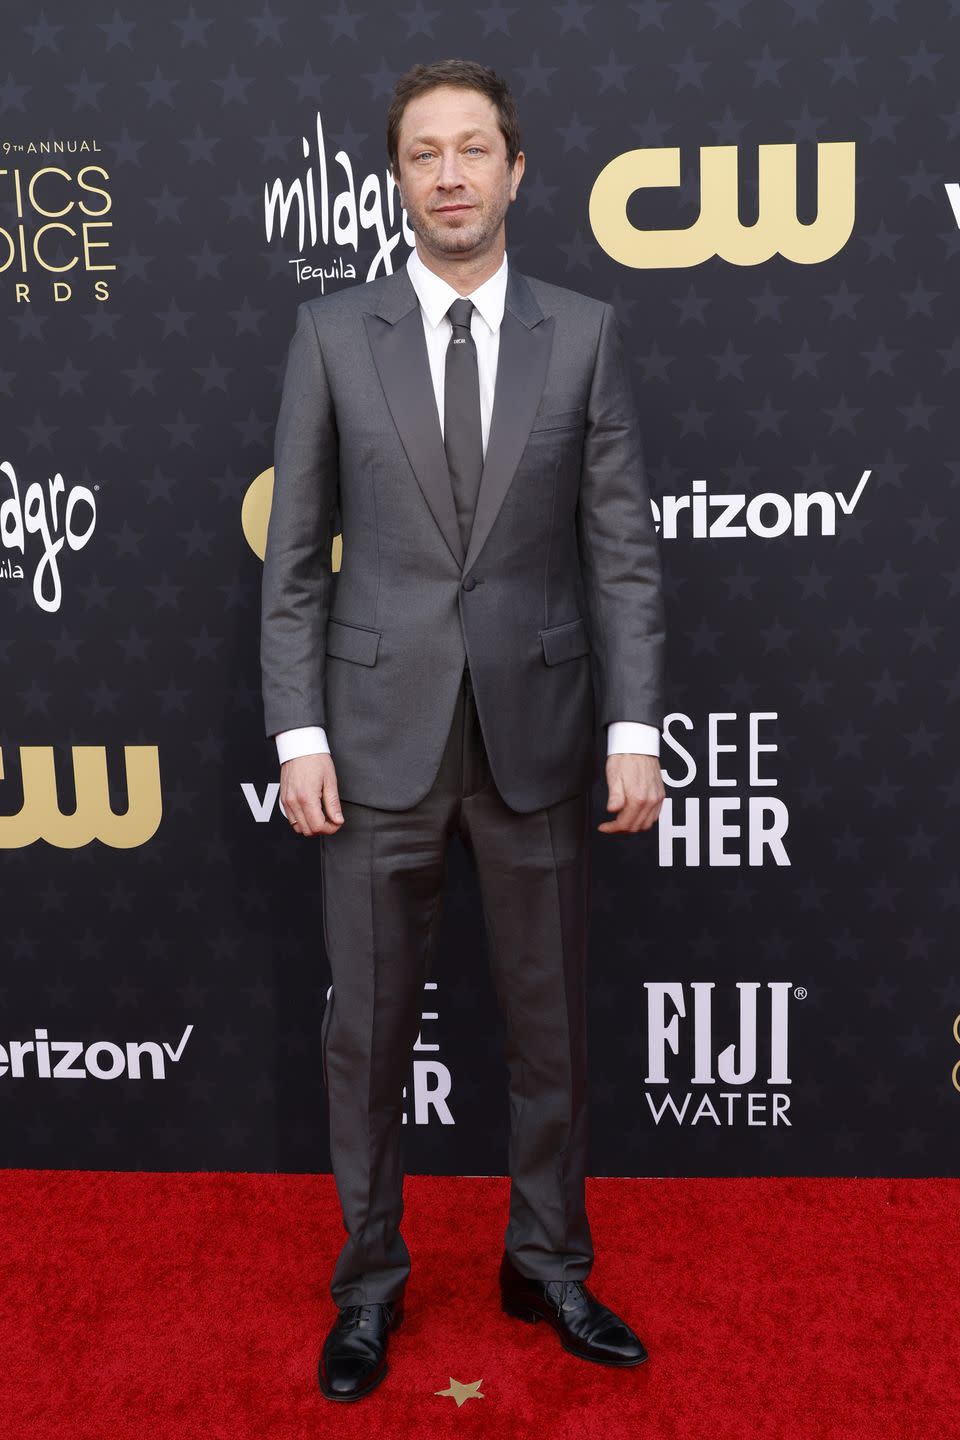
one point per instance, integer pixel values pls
(469, 583)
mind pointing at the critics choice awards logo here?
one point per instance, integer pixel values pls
(56, 207)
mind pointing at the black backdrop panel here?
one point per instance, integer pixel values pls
(772, 990)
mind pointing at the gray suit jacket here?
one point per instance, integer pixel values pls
(556, 604)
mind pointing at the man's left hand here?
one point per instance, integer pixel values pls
(635, 791)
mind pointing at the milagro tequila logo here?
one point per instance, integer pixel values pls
(703, 1071)
(42, 519)
(322, 207)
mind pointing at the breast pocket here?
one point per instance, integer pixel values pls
(558, 420)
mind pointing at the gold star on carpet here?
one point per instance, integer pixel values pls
(461, 1392)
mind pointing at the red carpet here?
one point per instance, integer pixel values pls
(182, 1306)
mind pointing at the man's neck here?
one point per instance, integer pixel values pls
(464, 274)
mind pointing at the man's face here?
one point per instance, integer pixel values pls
(455, 183)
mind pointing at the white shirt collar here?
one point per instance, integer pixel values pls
(436, 296)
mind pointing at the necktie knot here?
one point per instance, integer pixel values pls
(460, 312)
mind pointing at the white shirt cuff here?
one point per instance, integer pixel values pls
(632, 737)
(623, 737)
(304, 740)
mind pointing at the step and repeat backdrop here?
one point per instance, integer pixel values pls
(768, 192)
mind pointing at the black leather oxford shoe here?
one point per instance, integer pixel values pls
(354, 1356)
(586, 1328)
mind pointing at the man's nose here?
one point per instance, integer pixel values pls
(450, 174)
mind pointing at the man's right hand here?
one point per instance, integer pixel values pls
(308, 795)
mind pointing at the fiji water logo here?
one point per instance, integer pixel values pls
(702, 1070)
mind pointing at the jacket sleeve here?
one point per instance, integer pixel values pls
(297, 568)
(619, 555)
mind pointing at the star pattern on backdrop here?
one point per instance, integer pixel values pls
(781, 379)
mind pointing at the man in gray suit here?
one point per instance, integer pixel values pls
(498, 598)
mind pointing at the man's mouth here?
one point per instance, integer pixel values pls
(451, 209)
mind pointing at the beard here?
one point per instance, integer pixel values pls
(458, 235)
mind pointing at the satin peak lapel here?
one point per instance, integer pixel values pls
(399, 349)
(526, 340)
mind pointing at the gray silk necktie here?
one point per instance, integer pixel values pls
(462, 435)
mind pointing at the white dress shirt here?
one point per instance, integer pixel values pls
(436, 297)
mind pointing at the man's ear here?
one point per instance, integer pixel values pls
(518, 166)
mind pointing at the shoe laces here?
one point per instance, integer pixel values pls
(567, 1287)
(353, 1315)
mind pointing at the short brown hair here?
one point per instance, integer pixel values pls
(470, 76)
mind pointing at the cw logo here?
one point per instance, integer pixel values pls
(41, 818)
(717, 230)
(255, 517)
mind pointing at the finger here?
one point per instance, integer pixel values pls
(649, 814)
(632, 818)
(291, 809)
(630, 808)
(331, 803)
(316, 821)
